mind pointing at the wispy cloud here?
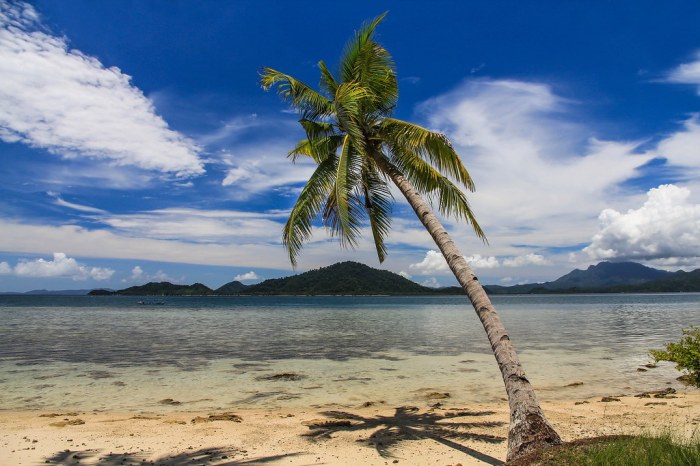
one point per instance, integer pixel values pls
(69, 103)
(687, 73)
(60, 266)
(58, 200)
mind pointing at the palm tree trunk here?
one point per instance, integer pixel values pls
(529, 429)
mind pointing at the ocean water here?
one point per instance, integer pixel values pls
(112, 353)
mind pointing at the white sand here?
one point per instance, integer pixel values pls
(281, 436)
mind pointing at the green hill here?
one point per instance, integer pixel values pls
(340, 279)
(159, 289)
(229, 288)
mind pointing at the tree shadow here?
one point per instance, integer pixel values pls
(210, 456)
(408, 423)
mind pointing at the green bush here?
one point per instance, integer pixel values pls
(685, 353)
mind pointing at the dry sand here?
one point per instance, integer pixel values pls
(367, 435)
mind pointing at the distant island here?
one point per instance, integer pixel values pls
(353, 278)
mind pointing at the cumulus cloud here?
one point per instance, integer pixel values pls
(434, 262)
(687, 73)
(665, 229)
(405, 275)
(136, 273)
(246, 276)
(61, 266)
(62, 100)
(478, 261)
(431, 263)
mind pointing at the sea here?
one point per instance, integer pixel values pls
(288, 352)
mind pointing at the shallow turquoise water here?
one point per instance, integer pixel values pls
(113, 353)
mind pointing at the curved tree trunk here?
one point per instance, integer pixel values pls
(529, 429)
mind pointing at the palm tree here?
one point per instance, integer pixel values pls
(358, 148)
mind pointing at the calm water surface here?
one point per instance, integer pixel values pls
(113, 353)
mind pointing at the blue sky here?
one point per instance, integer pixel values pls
(136, 143)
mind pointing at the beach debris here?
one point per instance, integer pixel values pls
(608, 399)
(641, 369)
(71, 422)
(323, 423)
(437, 395)
(655, 403)
(574, 384)
(227, 416)
(581, 403)
(665, 393)
(144, 418)
(175, 421)
(169, 401)
(283, 377)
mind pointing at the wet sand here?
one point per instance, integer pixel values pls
(370, 433)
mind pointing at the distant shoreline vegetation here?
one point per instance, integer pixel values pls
(353, 278)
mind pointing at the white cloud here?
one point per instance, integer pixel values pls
(527, 259)
(683, 147)
(136, 273)
(261, 167)
(431, 282)
(478, 261)
(666, 229)
(246, 276)
(5, 268)
(687, 73)
(199, 226)
(431, 263)
(405, 275)
(61, 266)
(434, 262)
(58, 200)
(532, 160)
(69, 103)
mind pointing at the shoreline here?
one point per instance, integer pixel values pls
(444, 434)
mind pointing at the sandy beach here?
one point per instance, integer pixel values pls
(372, 433)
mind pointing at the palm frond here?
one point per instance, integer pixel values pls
(451, 201)
(431, 146)
(378, 203)
(298, 228)
(345, 182)
(354, 48)
(328, 82)
(306, 100)
(317, 149)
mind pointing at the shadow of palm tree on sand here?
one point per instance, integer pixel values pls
(408, 423)
(209, 456)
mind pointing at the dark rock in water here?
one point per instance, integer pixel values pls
(641, 369)
(228, 416)
(437, 395)
(651, 365)
(285, 376)
(665, 393)
(608, 399)
(72, 422)
(169, 401)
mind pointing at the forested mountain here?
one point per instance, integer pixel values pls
(353, 278)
